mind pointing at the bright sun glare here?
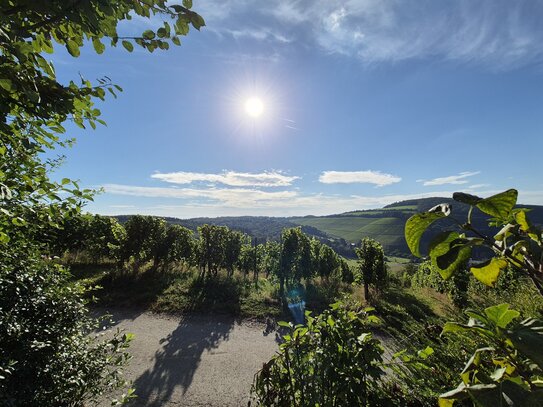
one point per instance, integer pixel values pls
(254, 107)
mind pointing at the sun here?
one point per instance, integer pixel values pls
(254, 107)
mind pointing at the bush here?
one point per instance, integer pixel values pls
(48, 357)
(332, 360)
(456, 287)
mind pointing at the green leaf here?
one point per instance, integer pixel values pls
(18, 221)
(488, 271)
(72, 48)
(197, 21)
(284, 324)
(455, 327)
(499, 205)
(187, 3)
(525, 225)
(46, 66)
(466, 198)
(148, 34)
(527, 337)
(445, 402)
(176, 40)
(181, 27)
(98, 46)
(161, 32)
(425, 353)
(448, 253)
(128, 45)
(475, 360)
(415, 227)
(4, 238)
(6, 84)
(522, 220)
(501, 315)
(487, 395)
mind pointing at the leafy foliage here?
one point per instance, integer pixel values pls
(456, 287)
(47, 356)
(372, 264)
(517, 244)
(143, 239)
(97, 236)
(296, 257)
(332, 360)
(507, 371)
(508, 368)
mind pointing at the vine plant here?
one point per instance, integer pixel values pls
(509, 370)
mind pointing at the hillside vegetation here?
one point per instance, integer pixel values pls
(340, 231)
(386, 225)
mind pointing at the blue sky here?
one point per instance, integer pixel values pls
(364, 103)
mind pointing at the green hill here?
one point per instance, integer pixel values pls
(386, 225)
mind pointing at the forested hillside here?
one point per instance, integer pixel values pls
(340, 231)
(263, 228)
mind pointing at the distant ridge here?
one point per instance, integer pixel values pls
(386, 225)
(340, 231)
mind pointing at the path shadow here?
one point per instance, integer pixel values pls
(111, 318)
(178, 359)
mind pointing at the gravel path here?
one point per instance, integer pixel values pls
(193, 360)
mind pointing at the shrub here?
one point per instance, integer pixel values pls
(48, 357)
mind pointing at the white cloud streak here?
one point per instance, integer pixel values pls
(478, 186)
(458, 179)
(230, 178)
(242, 201)
(498, 34)
(360, 177)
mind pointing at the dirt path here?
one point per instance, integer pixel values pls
(193, 360)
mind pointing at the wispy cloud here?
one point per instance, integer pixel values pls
(255, 34)
(458, 179)
(255, 201)
(361, 177)
(478, 186)
(231, 196)
(498, 34)
(231, 178)
(194, 202)
(241, 201)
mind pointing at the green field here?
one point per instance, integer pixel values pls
(387, 230)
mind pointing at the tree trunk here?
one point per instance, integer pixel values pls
(366, 291)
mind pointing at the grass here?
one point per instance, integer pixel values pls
(219, 295)
(394, 264)
(389, 231)
(181, 290)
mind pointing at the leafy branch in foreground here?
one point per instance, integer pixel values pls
(508, 370)
(47, 356)
(518, 243)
